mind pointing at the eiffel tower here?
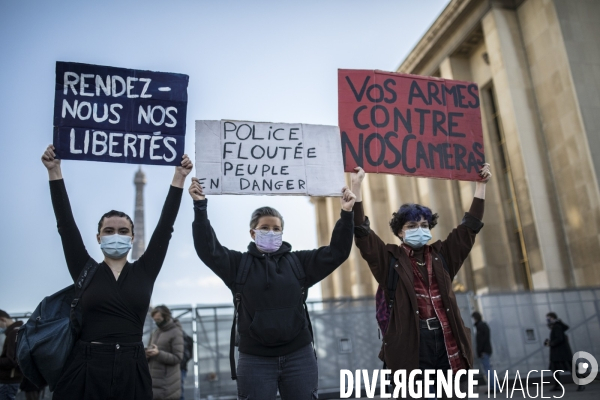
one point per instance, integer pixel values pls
(139, 242)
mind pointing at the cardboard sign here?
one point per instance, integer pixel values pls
(119, 115)
(241, 157)
(410, 125)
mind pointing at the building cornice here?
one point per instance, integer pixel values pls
(453, 14)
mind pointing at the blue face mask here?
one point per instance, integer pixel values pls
(115, 246)
(417, 237)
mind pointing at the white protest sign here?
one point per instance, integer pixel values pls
(263, 158)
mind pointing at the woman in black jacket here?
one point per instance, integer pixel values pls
(270, 282)
(108, 360)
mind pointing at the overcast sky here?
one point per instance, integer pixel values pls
(247, 60)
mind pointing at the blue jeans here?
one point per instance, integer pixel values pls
(487, 366)
(8, 391)
(295, 375)
(183, 376)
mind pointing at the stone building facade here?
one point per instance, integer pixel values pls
(537, 64)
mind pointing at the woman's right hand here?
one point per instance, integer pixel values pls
(196, 190)
(356, 179)
(48, 158)
(151, 351)
(51, 163)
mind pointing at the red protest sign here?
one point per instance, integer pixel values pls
(410, 125)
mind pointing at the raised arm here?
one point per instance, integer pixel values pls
(319, 263)
(76, 255)
(371, 247)
(219, 259)
(154, 256)
(457, 246)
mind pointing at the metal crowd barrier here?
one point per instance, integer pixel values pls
(346, 335)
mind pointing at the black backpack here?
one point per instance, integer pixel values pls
(45, 342)
(238, 286)
(188, 350)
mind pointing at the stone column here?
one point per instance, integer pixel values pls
(526, 150)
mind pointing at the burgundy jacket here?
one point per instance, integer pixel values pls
(400, 347)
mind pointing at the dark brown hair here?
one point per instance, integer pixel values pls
(164, 311)
(114, 213)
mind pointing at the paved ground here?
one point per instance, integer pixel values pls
(591, 392)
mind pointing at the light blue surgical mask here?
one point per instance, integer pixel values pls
(417, 237)
(115, 246)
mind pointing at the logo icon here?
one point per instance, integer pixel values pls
(588, 366)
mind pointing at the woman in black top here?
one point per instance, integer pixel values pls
(271, 282)
(108, 361)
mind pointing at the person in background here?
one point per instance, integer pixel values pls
(164, 354)
(483, 344)
(10, 374)
(560, 350)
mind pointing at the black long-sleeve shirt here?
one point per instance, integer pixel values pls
(271, 288)
(114, 310)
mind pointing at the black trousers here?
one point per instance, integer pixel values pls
(105, 372)
(432, 355)
(432, 350)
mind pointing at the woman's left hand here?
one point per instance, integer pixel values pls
(485, 173)
(348, 198)
(186, 166)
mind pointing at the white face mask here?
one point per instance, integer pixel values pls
(115, 246)
(268, 241)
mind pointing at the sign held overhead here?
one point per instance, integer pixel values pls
(410, 125)
(119, 115)
(264, 158)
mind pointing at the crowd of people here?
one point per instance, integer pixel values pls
(269, 282)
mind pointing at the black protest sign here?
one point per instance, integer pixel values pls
(119, 115)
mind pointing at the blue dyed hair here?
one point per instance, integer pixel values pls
(411, 212)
